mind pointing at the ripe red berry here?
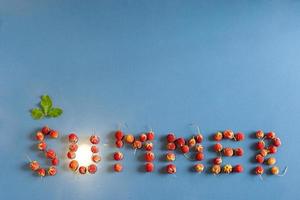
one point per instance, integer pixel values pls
(94, 139)
(228, 134)
(180, 142)
(171, 137)
(149, 167)
(199, 167)
(149, 156)
(73, 165)
(260, 145)
(171, 146)
(228, 152)
(272, 149)
(73, 138)
(218, 147)
(199, 138)
(259, 158)
(264, 152)
(50, 154)
(270, 135)
(42, 146)
(239, 152)
(41, 172)
(118, 167)
(143, 137)
(239, 136)
(192, 142)
(218, 136)
(71, 155)
(276, 142)
(119, 135)
(185, 149)
(82, 170)
(119, 143)
(171, 169)
(94, 149)
(170, 157)
(45, 130)
(52, 171)
(34, 165)
(238, 169)
(55, 161)
(259, 134)
(92, 169)
(148, 146)
(217, 161)
(73, 147)
(150, 135)
(53, 134)
(118, 156)
(137, 144)
(199, 148)
(129, 138)
(199, 156)
(259, 170)
(39, 136)
(96, 158)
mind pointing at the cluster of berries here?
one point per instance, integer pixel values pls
(193, 144)
(73, 147)
(143, 141)
(50, 153)
(265, 150)
(227, 151)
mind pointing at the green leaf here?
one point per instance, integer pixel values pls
(46, 104)
(37, 113)
(55, 112)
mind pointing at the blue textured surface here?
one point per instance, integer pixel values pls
(163, 64)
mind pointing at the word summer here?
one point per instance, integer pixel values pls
(267, 145)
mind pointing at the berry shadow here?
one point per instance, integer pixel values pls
(110, 157)
(141, 169)
(25, 166)
(252, 135)
(191, 169)
(32, 135)
(162, 158)
(211, 137)
(110, 169)
(211, 149)
(163, 142)
(63, 158)
(110, 138)
(162, 170)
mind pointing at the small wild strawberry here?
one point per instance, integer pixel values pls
(171, 146)
(260, 145)
(118, 156)
(149, 167)
(228, 134)
(239, 136)
(270, 135)
(180, 142)
(259, 134)
(171, 169)
(239, 151)
(218, 147)
(185, 149)
(171, 137)
(119, 135)
(218, 136)
(199, 156)
(228, 152)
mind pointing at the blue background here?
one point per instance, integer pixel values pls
(159, 64)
